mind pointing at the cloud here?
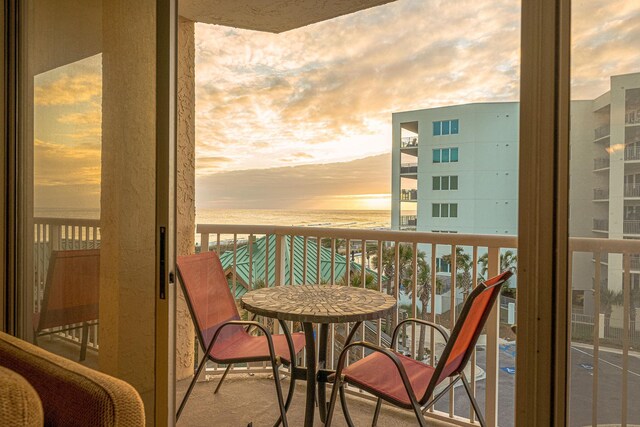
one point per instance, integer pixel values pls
(69, 90)
(319, 186)
(66, 164)
(330, 88)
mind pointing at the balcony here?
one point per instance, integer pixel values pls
(632, 152)
(601, 163)
(600, 194)
(631, 227)
(409, 170)
(409, 195)
(632, 117)
(250, 392)
(632, 190)
(408, 221)
(409, 142)
(601, 225)
(602, 132)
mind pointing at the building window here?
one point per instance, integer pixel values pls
(445, 155)
(442, 266)
(446, 127)
(444, 210)
(445, 182)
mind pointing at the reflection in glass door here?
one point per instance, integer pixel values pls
(89, 183)
(605, 214)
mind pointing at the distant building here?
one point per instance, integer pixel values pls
(605, 180)
(455, 170)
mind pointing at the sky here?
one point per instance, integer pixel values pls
(271, 109)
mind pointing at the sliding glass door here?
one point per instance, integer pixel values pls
(95, 186)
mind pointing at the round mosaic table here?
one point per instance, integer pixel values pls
(324, 305)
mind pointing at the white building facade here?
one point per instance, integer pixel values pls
(455, 170)
(605, 180)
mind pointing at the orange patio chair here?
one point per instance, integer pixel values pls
(221, 332)
(71, 295)
(408, 383)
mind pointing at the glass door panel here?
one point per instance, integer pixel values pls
(88, 198)
(604, 223)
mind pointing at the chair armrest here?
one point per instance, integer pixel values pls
(435, 326)
(388, 353)
(249, 323)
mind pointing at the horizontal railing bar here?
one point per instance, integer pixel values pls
(68, 221)
(358, 234)
(590, 244)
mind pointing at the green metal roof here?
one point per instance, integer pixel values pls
(259, 255)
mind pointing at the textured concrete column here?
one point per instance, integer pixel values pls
(185, 191)
(128, 200)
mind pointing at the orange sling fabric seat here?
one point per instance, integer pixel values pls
(224, 337)
(71, 294)
(408, 383)
(212, 305)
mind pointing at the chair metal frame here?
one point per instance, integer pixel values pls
(274, 359)
(420, 406)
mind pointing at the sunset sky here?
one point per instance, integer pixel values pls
(285, 108)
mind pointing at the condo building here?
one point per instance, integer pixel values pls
(455, 170)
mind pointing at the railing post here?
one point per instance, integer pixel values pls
(54, 237)
(204, 242)
(280, 260)
(493, 328)
(280, 263)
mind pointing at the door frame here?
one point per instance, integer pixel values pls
(543, 288)
(13, 231)
(166, 146)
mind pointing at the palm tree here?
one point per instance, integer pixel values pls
(508, 261)
(464, 266)
(388, 256)
(423, 291)
(608, 298)
(355, 279)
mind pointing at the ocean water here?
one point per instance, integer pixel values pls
(368, 219)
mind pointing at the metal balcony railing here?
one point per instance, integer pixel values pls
(409, 195)
(601, 163)
(632, 190)
(365, 247)
(632, 152)
(631, 227)
(601, 224)
(602, 131)
(409, 168)
(408, 221)
(632, 117)
(409, 142)
(600, 194)
(62, 234)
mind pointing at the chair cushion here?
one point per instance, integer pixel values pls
(19, 402)
(250, 348)
(377, 374)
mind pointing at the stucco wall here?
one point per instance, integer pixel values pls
(127, 259)
(185, 191)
